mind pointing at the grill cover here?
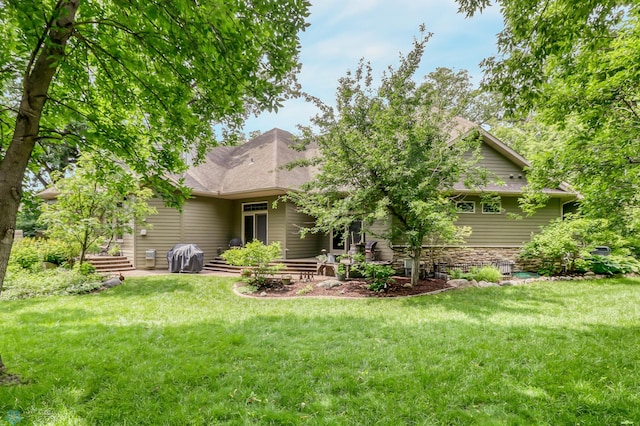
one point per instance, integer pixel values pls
(185, 258)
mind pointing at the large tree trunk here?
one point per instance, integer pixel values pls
(416, 254)
(46, 58)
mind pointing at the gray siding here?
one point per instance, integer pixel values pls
(203, 222)
(500, 166)
(128, 247)
(498, 230)
(297, 247)
(164, 231)
(385, 252)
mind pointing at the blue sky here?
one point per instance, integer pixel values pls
(343, 31)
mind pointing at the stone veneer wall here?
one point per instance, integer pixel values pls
(472, 255)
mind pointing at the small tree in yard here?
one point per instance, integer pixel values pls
(258, 257)
(386, 154)
(96, 201)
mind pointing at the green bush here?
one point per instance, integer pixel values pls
(486, 273)
(380, 275)
(614, 265)
(24, 253)
(85, 269)
(562, 242)
(258, 257)
(55, 251)
(22, 283)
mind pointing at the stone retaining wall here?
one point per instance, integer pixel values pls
(470, 255)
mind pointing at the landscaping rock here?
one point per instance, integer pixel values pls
(459, 283)
(329, 284)
(486, 284)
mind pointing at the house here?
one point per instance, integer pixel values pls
(234, 194)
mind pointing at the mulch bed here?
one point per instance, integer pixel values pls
(349, 288)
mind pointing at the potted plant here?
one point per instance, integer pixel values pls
(341, 271)
(286, 279)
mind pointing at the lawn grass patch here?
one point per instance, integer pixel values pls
(185, 350)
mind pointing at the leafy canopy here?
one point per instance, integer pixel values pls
(149, 81)
(99, 200)
(385, 154)
(576, 65)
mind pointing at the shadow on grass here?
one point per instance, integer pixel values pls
(529, 299)
(145, 286)
(297, 368)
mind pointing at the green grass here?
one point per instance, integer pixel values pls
(181, 350)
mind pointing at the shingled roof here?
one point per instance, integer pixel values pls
(253, 167)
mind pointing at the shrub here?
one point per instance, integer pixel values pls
(486, 273)
(614, 265)
(562, 242)
(24, 253)
(257, 256)
(380, 275)
(21, 283)
(85, 269)
(55, 251)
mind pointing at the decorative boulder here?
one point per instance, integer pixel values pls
(459, 283)
(329, 284)
(487, 284)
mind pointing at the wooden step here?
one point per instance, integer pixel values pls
(291, 266)
(110, 263)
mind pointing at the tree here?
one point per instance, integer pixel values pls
(144, 80)
(385, 154)
(98, 200)
(576, 65)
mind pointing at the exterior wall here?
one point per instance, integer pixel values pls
(276, 219)
(499, 165)
(309, 246)
(128, 247)
(499, 230)
(469, 255)
(495, 237)
(204, 222)
(385, 252)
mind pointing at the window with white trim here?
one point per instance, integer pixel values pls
(491, 208)
(465, 207)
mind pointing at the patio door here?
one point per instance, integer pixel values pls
(254, 222)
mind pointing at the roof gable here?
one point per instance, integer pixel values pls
(255, 166)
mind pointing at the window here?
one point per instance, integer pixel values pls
(254, 207)
(491, 208)
(254, 224)
(342, 240)
(466, 207)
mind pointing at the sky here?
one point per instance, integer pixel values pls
(344, 31)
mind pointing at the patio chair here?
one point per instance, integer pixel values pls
(235, 243)
(370, 250)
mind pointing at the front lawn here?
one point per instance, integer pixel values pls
(185, 350)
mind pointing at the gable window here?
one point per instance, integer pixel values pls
(465, 207)
(492, 208)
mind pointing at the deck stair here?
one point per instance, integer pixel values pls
(291, 266)
(110, 263)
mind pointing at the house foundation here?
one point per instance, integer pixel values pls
(441, 259)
